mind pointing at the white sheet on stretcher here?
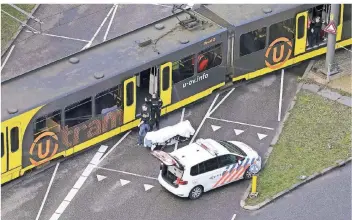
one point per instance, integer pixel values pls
(183, 129)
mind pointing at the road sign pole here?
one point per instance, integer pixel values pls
(330, 53)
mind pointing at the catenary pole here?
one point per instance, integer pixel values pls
(330, 53)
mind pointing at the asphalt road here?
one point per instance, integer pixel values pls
(326, 198)
(78, 22)
(252, 108)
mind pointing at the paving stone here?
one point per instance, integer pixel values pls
(345, 100)
(311, 87)
(329, 94)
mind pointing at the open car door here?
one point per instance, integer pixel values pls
(166, 158)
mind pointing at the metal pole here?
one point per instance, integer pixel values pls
(24, 12)
(330, 53)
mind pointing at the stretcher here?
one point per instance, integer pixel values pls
(169, 135)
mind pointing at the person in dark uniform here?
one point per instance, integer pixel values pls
(144, 126)
(156, 104)
(317, 29)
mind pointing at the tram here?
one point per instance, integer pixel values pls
(79, 101)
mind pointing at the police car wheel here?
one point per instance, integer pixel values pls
(196, 192)
(248, 174)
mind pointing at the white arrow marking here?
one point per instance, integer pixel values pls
(147, 187)
(124, 182)
(237, 131)
(100, 178)
(215, 128)
(261, 136)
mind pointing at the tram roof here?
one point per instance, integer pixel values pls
(239, 14)
(111, 58)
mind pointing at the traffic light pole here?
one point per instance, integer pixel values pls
(330, 66)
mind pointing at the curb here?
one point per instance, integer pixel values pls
(338, 164)
(19, 31)
(273, 142)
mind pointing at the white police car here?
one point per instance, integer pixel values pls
(205, 165)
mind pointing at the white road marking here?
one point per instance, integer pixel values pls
(241, 123)
(70, 38)
(233, 217)
(281, 88)
(62, 207)
(88, 170)
(182, 116)
(77, 185)
(80, 182)
(71, 194)
(7, 57)
(261, 136)
(58, 36)
(124, 182)
(222, 100)
(215, 128)
(237, 131)
(97, 32)
(123, 137)
(168, 6)
(147, 187)
(47, 191)
(133, 174)
(96, 158)
(205, 117)
(100, 177)
(112, 18)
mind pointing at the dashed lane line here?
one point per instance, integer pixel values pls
(94, 162)
(241, 123)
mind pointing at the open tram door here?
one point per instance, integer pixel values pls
(129, 100)
(301, 32)
(165, 88)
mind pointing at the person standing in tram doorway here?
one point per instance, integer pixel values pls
(144, 126)
(156, 104)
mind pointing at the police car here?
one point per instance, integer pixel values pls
(205, 165)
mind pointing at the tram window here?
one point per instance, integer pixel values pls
(129, 92)
(2, 144)
(252, 41)
(78, 112)
(282, 29)
(209, 58)
(347, 12)
(182, 69)
(301, 27)
(166, 78)
(49, 122)
(108, 100)
(14, 139)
